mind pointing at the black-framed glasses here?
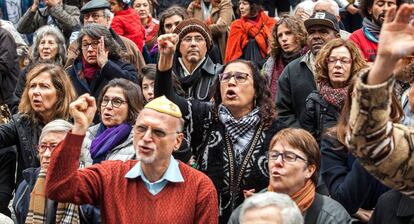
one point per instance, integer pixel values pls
(94, 44)
(43, 147)
(343, 60)
(115, 102)
(287, 156)
(240, 77)
(142, 129)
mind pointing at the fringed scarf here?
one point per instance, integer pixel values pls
(66, 213)
(304, 197)
(333, 96)
(107, 139)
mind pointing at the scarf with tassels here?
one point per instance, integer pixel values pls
(333, 96)
(66, 213)
(304, 197)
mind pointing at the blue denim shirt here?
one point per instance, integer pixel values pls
(172, 174)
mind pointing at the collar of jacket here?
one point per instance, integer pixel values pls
(405, 207)
(30, 175)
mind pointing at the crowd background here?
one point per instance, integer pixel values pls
(265, 88)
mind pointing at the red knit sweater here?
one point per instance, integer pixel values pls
(125, 200)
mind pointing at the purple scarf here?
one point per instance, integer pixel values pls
(108, 139)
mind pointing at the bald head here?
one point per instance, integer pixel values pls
(327, 6)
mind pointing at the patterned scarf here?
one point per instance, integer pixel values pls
(66, 213)
(108, 139)
(333, 96)
(237, 129)
(304, 197)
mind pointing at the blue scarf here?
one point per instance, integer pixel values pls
(108, 139)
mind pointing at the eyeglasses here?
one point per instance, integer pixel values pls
(343, 60)
(197, 39)
(142, 129)
(94, 44)
(286, 156)
(95, 16)
(42, 148)
(116, 102)
(240, 77)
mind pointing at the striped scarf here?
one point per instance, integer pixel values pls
(66, 213)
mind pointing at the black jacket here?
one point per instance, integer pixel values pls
(348, 182)
(9, 69)
(198, 85)
(295, 84)
(318, 115)
(23, 133)
(214, 154)
(111, 70)
(393, 207)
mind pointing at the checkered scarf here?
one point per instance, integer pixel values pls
(237, 129)
(66, 213)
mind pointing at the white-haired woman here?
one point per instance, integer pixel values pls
(48, 46)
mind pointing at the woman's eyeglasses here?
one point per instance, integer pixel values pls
(286, 156)
(43, 147)
(240, 77)
(343, 60)
(116, 102)
(94, 44)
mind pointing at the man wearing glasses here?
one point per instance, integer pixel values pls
(97, 11)
(157, 189)
(193, 66)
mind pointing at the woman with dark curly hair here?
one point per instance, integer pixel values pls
(336, 64)
(99, 61)
(287, 43)
(226, 136)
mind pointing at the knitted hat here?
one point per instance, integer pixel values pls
(194, 25)
(165, 106)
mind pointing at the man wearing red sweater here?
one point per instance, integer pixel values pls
(156, 189)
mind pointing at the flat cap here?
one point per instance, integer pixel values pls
(95, 5)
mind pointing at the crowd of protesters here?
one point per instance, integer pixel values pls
(206, 111)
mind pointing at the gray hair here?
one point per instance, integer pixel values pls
(108, 14)
(307, 6)
(289, 211)
(59, 38)
(57, 125)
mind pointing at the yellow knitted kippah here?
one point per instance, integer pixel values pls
(165, 106)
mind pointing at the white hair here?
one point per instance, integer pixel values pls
(289, 211)
(333, 5)
(57, 125)
(306, 5)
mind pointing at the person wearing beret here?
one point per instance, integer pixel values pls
(156, 188)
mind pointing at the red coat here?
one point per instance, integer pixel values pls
(243, 29)
(367, 47)
(127, 23)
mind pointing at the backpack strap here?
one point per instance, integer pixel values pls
(312, 213)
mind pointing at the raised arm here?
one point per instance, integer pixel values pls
(64, 181)
(383, 148)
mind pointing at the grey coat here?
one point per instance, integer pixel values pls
(124, 151)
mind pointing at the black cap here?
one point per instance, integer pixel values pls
(95, 5)
(322, 19)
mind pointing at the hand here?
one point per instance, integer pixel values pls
(363, 215)
(352, 9)
(82, 110)
(102, 53)
(397, 33)
(34, 6)
(167, 43)
(396, 41)
(248, 193)
(51, 3)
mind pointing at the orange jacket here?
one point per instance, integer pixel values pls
(243, 29)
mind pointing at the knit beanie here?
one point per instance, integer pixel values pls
(194, 25)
